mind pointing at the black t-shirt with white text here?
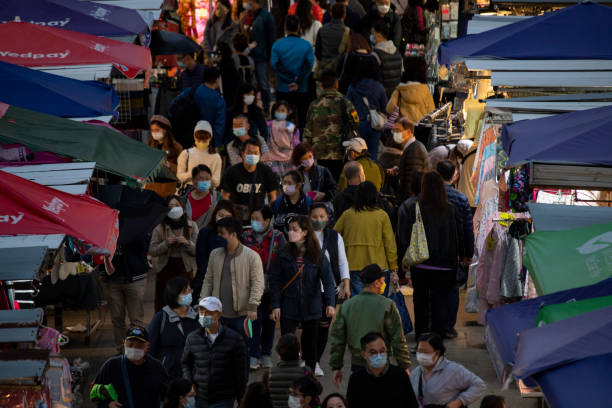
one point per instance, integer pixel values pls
(238, 182)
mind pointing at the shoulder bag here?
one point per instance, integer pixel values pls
(377, 120)
(418, 251)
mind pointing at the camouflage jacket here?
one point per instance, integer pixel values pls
(327, 126)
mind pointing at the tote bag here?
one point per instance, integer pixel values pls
(418, 251)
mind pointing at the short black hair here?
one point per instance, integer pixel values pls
(328, 79)
(492, 401)
(230, 224)
(292, 24)
(251, 141)
(174, 287)
(334, 394)
(370, 337)
(317, 205)
(366, 198)
(446, 169)
(211, 74)
(308, 385)
(266, 211)
(199, 169)
(371, 274)
(240, 42)
(295, 175)
(381, 28)
(338, 11)
(435, 341)
(288, 347)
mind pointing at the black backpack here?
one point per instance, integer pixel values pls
(245, 67)
(183, 115)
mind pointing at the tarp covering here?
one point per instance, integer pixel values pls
(31, 208)
(575, 137)
(554, 313)
(82, 16)
(111, 150)
(505, 322)
(54, 94)
(167, 42)
(557, 217)
(559, 260)
(582, 31)
(21, 263)
(32, 45)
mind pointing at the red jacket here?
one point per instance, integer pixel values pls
(317, 11)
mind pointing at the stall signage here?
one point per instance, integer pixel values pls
(60, 55)
(13, 219)
(52, 23)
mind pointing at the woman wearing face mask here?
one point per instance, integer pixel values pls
(209, 239)
(257, 395)
(332, 245)
(162, 138)
(266, 241)
(245, 104)
(319, 184)
(304, 393)
(334, 400)
(203, 152)
(284, 136)
(172, 248)
(203, 198)
(439, 382)
(180, 394)
(295, 286)
(220, 28)
(171, 325)
(292, 202)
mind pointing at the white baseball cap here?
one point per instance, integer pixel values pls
(356, 144)
(211, 303)
(204, 126)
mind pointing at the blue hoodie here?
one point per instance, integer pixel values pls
(292, 60)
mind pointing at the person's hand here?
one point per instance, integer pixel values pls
(393, 171)
(293, 87)
(182, 240)
(337, 380)
(347, 292)
(319, 196)
(394, 278)
(171, 240)
(330, 311)
(252, 316)
(408, 372)
(252, 45)
(275, 315)
(114, 404)
(454, 404)
(466, 262)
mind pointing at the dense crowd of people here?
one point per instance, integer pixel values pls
(295, 207)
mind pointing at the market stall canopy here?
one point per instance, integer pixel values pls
(21, 263)
(32, 45)
(554, 313)
(82, 16)
(557, 217)
(582, 31)
(575, 137)
(73, 177)
(505, 322)
(559, 260)
(111, 150)
(56, 95)
(29, 208)
(167, 42)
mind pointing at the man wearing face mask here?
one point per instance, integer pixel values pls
(357, 149)
(382, 10)
(241, 131)
(380, 384)
(364, 313)
(193, 73)
(249, 183)
(215, 359)
(139, 379)
(414, 157)
(391, 61)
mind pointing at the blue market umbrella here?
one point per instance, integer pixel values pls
(83, 16)
(54, 94)
(167, 43)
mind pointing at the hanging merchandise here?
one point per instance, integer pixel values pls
(187, 11)
(519, 190)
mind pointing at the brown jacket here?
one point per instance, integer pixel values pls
(413, 99)
(158, 249)
(414, 159)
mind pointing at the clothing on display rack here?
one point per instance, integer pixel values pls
(485, 163)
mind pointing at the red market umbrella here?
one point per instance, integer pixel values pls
(32, 45)
(30, 208)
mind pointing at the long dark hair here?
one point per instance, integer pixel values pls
(366, 198)
(311, 244)
(257, 395)
(183, 220)
(433, 192)
(221, 205)
(303, 11)
(168, 144)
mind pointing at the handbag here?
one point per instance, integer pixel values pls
(377, 120)
(418, 251)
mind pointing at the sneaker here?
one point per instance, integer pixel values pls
(451, 334)
(266, 361)
(318, 371)
(254, 363)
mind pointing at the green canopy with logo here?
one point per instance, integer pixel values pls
(553, 313)
(559, 260)
(112, 151)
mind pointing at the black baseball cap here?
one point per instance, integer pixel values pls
(137, 333)
(371, 273)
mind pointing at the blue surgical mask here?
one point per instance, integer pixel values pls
(378, 360)
(251, 159)
(372, 39)
(185, 300)
(206, 321)
(240, 132)
(204, 186)
(257, 226)
(280, 115)
(190, 403)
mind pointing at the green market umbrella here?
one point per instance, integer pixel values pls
(112, 151)
(554, 313)
(559, 260)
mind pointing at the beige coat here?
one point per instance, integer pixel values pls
(414, 101)
(159, 251)
(247, 278)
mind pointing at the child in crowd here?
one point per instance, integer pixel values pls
(284, 136)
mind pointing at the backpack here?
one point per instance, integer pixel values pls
(331, 64)
(245, 67)
(184, 115)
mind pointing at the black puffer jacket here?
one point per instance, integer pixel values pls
(219, 370)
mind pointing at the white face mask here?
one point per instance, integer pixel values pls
(398, 137)
(248, 99)
(383, 9)
(175, 213)
(294, 402)
(134, 354)
(425, 359)
(157, 135)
